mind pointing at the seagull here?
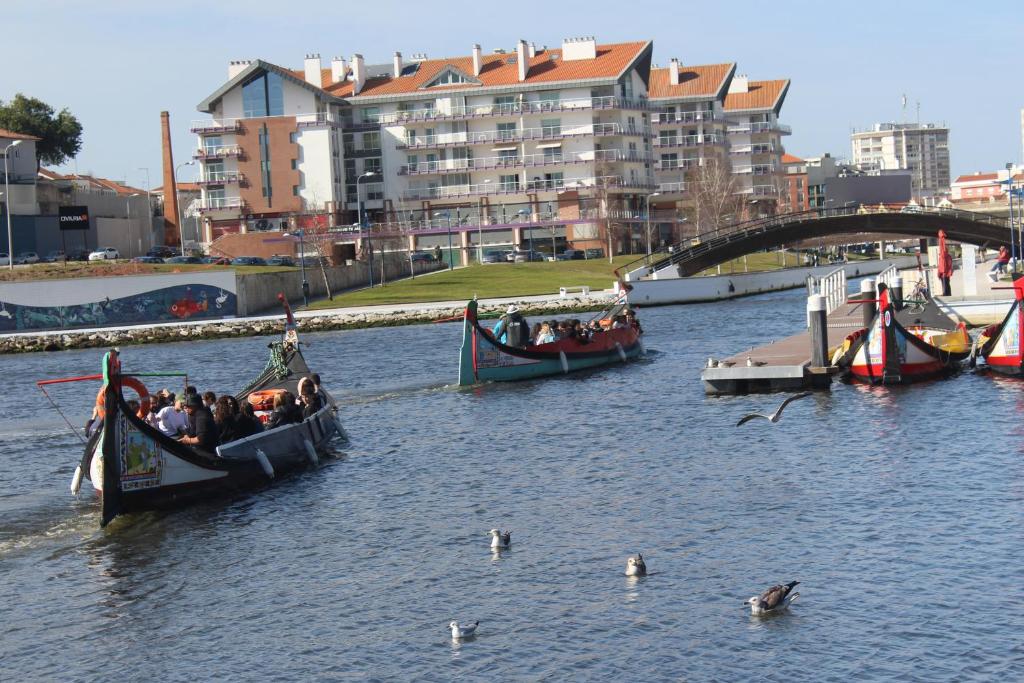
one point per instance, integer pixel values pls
(500, 541)
(751, 363)
(463, 631)
(775, 599)
(635, 566)
(774, 417)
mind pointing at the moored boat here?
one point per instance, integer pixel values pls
(1000, 344)
(484, 359)
(134, 466)
(887, 352)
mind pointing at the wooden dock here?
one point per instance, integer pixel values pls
(782, 365)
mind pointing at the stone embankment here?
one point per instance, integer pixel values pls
(252, 327)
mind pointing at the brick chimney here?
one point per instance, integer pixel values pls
(172, 231)
(673, 71)
(338, 70)
(524, 66)
(477, 60)
(358, 74)
(396, 64)
(312, 68)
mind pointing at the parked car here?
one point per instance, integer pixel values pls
(5, 258)
(279, 260)
(184, 260)
(421, 257)
(78, 255)
(248, 261)
(104, 254)
(162, 252)
(572, 255)
(495, 256)
(54, 257)
(594, 253)
(27, 257)
(217, 260)
(147, 259)
(525, 255)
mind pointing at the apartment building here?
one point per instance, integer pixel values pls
(755, 141)
(795, 193)
(516, 139)
(921, 149)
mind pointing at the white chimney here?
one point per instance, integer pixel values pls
(477, 60)
(579, 48)
(358, 74)
(396, 64)
(524, 67)
(237, 67)
(673, 71)
(312, 69)
(739, 84)
(338, 70)
(533, 50)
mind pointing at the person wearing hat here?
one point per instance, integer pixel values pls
(202, 430)
(512, 328)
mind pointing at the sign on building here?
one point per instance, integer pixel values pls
(74, 218)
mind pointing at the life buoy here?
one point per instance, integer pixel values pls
(131, 383)
(264, 400)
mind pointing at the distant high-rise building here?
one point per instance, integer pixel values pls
(921, 149)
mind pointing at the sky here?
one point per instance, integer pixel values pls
(116, 65)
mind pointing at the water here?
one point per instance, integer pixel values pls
(899, 510)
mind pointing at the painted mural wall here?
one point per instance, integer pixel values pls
(123, 300)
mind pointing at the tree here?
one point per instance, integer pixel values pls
(60, 135)
(715, 202)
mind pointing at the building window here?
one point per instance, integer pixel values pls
(295, 190)
(263, 95)
(551, 127)
(293, 138)
(371, 140)
(509, 183)
(212, 142)
(214, 170)
(372, 165)
(505, 103)
(669, 161)
(411, 160)
(507, 156)
(552, 154)
(506, 131)
(371, 115)
(549, 100)
(264, 145)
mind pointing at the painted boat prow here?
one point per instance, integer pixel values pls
(1000, 345)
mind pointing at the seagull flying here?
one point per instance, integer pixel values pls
(775, 599)
(462, 631)
(774, 417)
(500, 541)
(635, 566)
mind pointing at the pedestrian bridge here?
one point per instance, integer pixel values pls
(710, 249)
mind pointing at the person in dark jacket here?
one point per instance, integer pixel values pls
(202, 430)
(224, 416)
(246, 422)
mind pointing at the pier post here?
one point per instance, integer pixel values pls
(816, 314)
(868, 291)
(897, 293)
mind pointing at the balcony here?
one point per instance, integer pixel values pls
(676, 165)
(211, 204)
(217, 152)
(489, 137)
(688, 141)
(317, 120)
(754, 150)
(759, 127)
(513, 109)
(529, 160)
(672, 188)
(668, 118)
(211, 126)
(538, 185)
(754, 169)
(221, 178)
(760, 191)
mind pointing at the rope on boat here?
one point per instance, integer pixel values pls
(61, 413)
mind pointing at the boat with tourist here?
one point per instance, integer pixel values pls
(135, 466)
(926, 344)
(999, 344)
(484, 358)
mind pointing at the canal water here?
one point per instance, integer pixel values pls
(899, 510)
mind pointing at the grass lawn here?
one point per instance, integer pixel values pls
(75, 269)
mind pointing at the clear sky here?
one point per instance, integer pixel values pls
(116, 64)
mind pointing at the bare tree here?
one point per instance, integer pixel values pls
(713, 189)
(317, 234)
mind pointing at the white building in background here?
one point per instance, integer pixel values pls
(19, 153)
(921, 149)
(755, 140)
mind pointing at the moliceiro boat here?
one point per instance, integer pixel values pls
(1000, 344)
(134, 466)
(484, 359)
(888, 352)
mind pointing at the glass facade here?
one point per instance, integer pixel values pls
(263, 95)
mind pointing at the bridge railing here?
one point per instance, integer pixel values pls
(833, 288)
(704, 243)
(888, 276)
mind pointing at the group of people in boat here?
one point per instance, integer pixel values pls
(512, 329)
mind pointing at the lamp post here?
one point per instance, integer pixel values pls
(181, 209)
(364, 223)
(553, 229)
(302, 264)
(648, 215)
(480, 228)
(128, 210)
(149, 206)
(447, 213)
(7, 203)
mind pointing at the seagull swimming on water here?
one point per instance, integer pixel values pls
(635, 566)
(774, 417)
(462, 631)
(500, 541)
(775, 599)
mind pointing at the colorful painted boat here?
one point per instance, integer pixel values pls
(484, 359)
(1000, 345)
(135, 467)
(887, 352)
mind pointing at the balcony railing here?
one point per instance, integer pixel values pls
(676, 164)
(208, 126)
(754, 169)
(488, 137)
(752, 150)
(488, 163)
(219, 204)
(672, 188)
(217, 152)
(760, 191)
(666, 117)
(688, 140)
(316, 120)
(513, 109)
(760, 127)
(221, 178)
(485, 189)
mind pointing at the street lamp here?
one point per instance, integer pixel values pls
(551, 214)
(361, 207)
(302, 264)
(648, 201)
(128, 209)
(523, 213)
(480, 228)
(181, 210)
(447, 213)
(7, 203)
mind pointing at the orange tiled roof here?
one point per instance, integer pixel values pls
(47, 174)
(694, 81)
(182, 187)
(977, 177)
(11, 135)
(788, 158)
(496, 71)
(759, 95)
(104, 184)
